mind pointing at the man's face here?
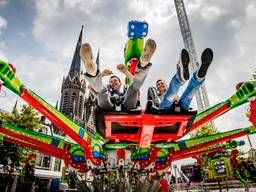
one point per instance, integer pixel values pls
(161, 86)
(115, 83)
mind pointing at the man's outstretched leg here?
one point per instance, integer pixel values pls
(177, 80)
(197, 79)
(93, 76)
(130, 100)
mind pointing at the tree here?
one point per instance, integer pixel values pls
(10, 154)
(204, 131)
(254, 75)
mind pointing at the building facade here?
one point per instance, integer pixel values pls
(75, 102)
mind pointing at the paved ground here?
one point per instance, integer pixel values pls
(227, 186)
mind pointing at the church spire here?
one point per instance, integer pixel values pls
(75, 68)
(15, 106)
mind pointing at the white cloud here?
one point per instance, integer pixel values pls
(251, 10)
(2, 52)
(40, 75)
(3, 56)
(3, 23)
(3, 2)
(210, 13)
(230, 32)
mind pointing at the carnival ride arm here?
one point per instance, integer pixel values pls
(79, 134)
(71, 153)
(241, 96)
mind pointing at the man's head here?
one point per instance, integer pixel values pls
(115, 82)
(161, 86)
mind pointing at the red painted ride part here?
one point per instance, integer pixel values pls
(50, 151)
(55, 120)
(29, 158)
(252, 116)
(152, 158)
(120, 154)
(133, 63)
(35, 147)
(146, 124)
(176, 154)
(196, 154)
(210, 117)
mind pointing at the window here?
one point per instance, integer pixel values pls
(65, 103)
(80, 109)
(72, 103)
(43, 161)
(57, 164)
(43, 130)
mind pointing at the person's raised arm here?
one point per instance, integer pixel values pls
(122, 69)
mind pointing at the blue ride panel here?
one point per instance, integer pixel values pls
(137, 29)
(78, 159)
(55, 142)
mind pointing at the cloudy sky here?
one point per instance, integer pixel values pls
(39, 38)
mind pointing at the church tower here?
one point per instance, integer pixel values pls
(73, 89)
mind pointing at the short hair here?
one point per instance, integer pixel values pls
(159, 80)
(114, 76)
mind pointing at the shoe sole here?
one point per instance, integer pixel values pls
(185, 63)
(86, 55)
(149, 50)
(206, 60)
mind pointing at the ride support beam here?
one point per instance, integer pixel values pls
(60, 124)
(193, 155)
(35, 147)
(203, 145)
(30, 140)
(210, 117)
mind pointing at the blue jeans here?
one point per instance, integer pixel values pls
(186, 98)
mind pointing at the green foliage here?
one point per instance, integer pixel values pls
(254, 75)
(12, 155)
(206, 158)
(27, 118)
(204, 131)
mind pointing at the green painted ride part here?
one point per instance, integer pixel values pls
(133, 49)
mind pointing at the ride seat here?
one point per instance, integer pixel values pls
(137, 126)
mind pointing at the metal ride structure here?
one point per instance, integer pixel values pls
(201, 96)
(150, 141)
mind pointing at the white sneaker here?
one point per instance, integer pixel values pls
(149, 49)
(86, 56)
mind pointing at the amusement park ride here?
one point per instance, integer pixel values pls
(150, 139)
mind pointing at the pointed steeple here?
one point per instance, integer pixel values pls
(75, 68)
(57, 105)
(15, 106)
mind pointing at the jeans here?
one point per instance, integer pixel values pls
(187, 96)
(130, 100)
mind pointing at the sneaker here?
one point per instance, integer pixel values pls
(148, 52)
(206, 60)
(86, 56)
(183, 65)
